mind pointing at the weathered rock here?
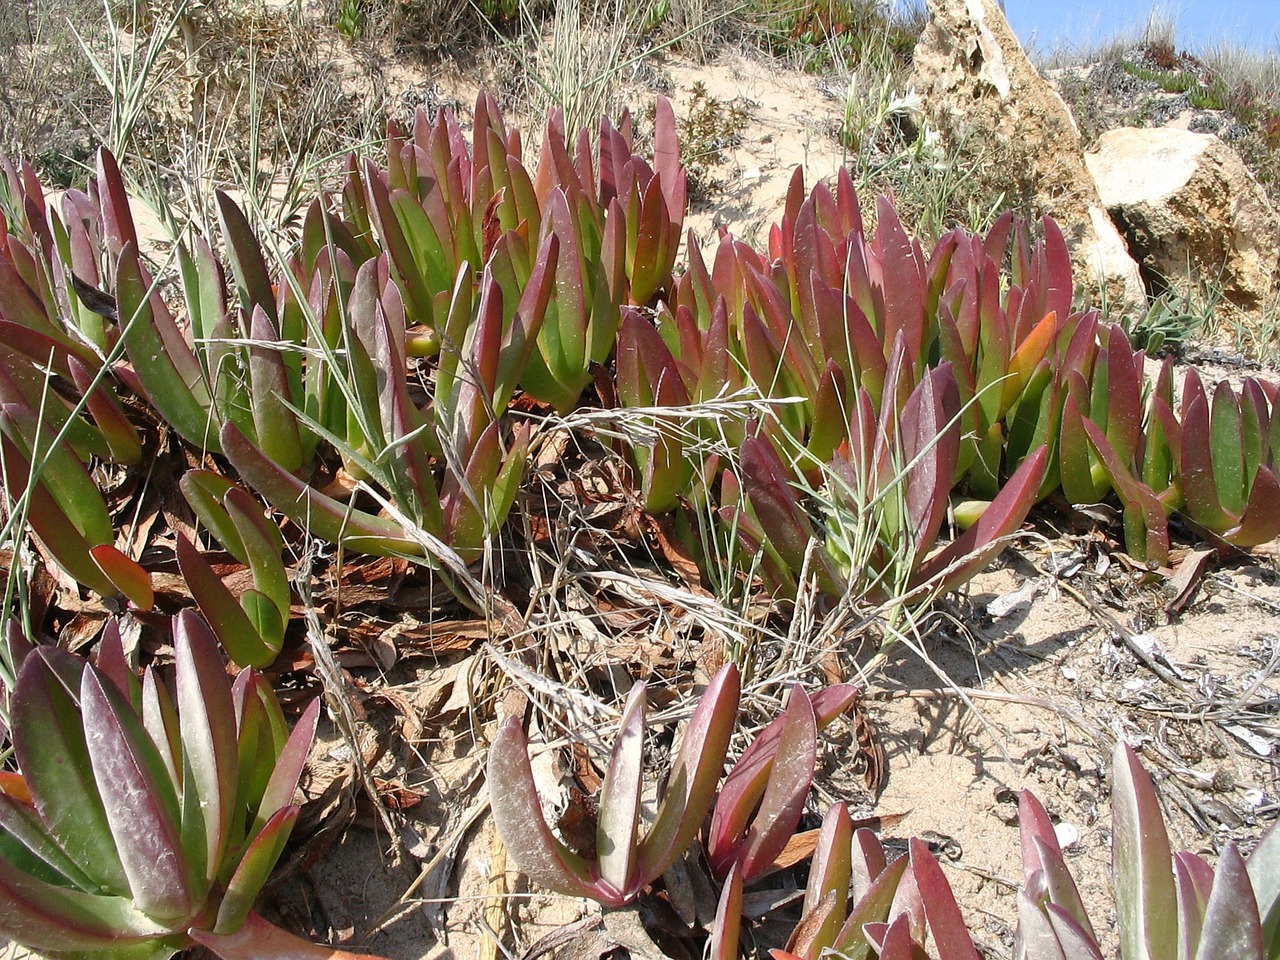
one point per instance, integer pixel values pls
(983, 95)
(1192, 212)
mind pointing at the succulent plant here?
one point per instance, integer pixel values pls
(626, 862)
(859, 905)
(142, 821)
(756, 813)
(1167, 905)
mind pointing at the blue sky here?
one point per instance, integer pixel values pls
(1043, 23)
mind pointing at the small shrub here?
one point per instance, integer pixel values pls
(708, 128)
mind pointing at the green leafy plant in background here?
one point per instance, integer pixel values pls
(143, 820)
(349, 19)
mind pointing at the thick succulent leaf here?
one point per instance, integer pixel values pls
(323, 516)
(1227, 449)
(49, 742)
(1075, 942)
(140, 800)
(204, 491)
(42, 916)
(120, 434)
(1061, 887)
(1261, 520)
(866, 862)
(931, 449)
(746, 782)
(253, 280)
(1080, 483)
(1033, 824)
(806, 938)
(872, 907)
(1193, 879)
(117, 220)
(777, 507)
(261, 734)
(1026, 358)
(697, 769)
(49, 522)
(1232, 929)
(263, 545)
(26, 845)
(1264, 874)
(1146, 525)
(255, 867)
(788, 788)
(274, 421)
(962, 558)
(1199, 485)
(232, 626)
(950, 934)
(160, 717)
(115, 666)
(619, 822)
(182, 400)
(895, 940)
(126, 573)
(517, 813)
(831, 868)
(1146, 900)
(288, 768)
(727, 931)
(207, 731)
(64, 475)
(903, 279)
(1035, 939)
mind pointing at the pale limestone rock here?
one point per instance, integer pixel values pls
(1192, 211)
(982, 93)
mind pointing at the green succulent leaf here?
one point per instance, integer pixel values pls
(788, 788)
(207, 732)
(1264, 874)
(1146, 900)
(1232, 929)
(697, 769)
(139, 798)
(619, 822)
(256, 864)
(49, 742)
(517, 812)
(231, 624)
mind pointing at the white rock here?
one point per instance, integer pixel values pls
(980, 90)
(1186, 200)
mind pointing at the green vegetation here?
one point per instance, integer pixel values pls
(450, 348)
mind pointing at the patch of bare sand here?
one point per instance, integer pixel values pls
(1050, 690)
(790, 123)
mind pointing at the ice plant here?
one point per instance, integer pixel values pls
(251, 628)
(143, 821)
(755, 814)
(1228, 460)
(626, 861)
(860, 906)
(763, 796)
(1167, 905)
